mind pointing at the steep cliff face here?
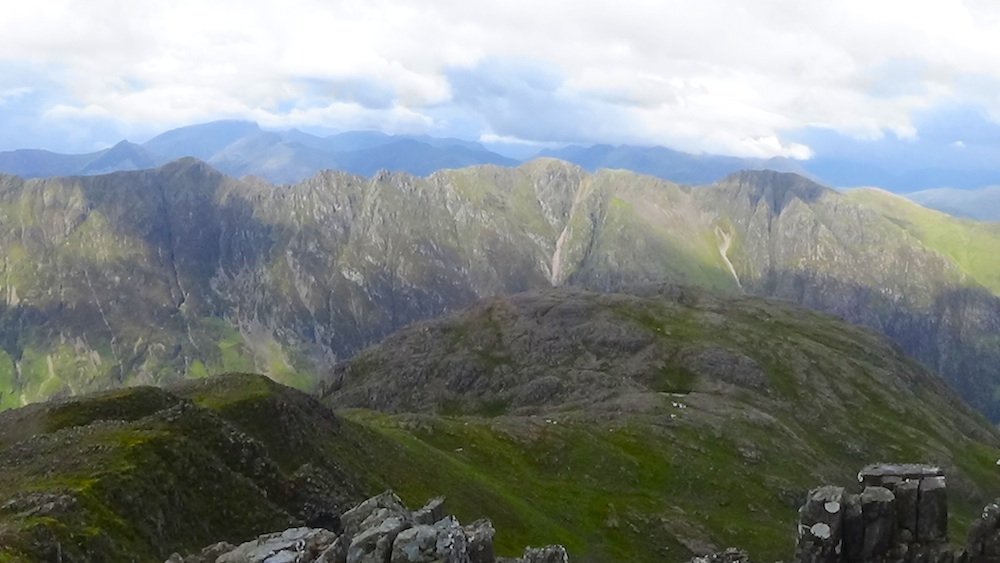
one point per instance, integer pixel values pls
(148, 276)
(849, 256)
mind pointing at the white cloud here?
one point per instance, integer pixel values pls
(708, 75)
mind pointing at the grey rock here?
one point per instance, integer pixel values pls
(907, 494)
(337, 552)
(374, 545)
(853, 535)
(879, 516)
(431, 512)
(386, 533)
(882, 474)
(372, 512)
(547, 554)
(932, 524)
(725, 365)
(296, 544)
(444, 542)
(819, 528)
(984, 533)
(729, 555)
(480, 537)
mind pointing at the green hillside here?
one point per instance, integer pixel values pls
(151, 277)
(642, 426)
(973, 245)
(661, 423)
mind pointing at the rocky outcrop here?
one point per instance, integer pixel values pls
(900, 514)
(378, 530)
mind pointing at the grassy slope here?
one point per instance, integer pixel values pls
(626, 481)
(645, 480)
(972, 245)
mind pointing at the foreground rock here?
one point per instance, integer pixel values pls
(379, 530)
(900, 516)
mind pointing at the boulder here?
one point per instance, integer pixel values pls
(819, 530)
(879, 517)
(294, 545)
(337, 552)
(547, 554)
(374, 544)
(480, 537)
(889, 475)
(431, 512)
(372, 512)
(984, 533)
(444, 542)
(932, 522)
(379, 530)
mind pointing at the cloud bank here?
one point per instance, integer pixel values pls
(721, 76)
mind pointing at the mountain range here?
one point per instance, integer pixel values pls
(982, 204)
(242, 148)
(148, 276)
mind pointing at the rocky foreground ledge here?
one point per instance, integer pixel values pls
(898, 515)
(379, 530)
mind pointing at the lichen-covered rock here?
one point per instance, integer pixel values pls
(480, 537)
(378, 530)
(293, 545)
(820, 522)
(374, 544)
(444, 542)
(430, 513)
(984, 534)
(373, 512)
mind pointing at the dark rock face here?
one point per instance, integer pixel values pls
(378, 530)
(984, 536)
(821, 525)
(878, 512)
(900, 516)
(932, 525)
(854, 528)
(907, 495)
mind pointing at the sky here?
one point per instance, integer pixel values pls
(887, 80)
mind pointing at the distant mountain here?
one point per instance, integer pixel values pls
(241, 148)
(982, 204)
(676, 166)
(202, 141)
(896, 176)
(31, 163)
